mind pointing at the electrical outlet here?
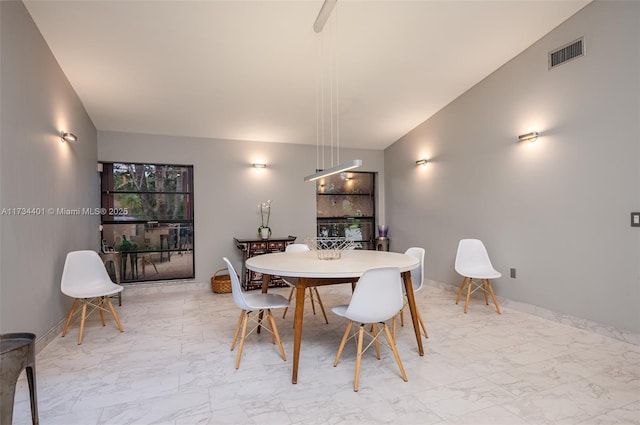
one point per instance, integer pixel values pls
(635, 219)
(513, 273)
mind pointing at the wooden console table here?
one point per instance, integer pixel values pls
(251, 248)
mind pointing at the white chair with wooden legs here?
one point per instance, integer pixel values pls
(258, 304)
(472, 262)
(291, 281)
(376, 299)
(417, 278)
(85, 279)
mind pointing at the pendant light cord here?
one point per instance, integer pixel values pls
(336, 69)
(328, 64)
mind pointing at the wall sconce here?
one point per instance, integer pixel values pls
(529, 137)
(68, 137)
(256, 165)
(421, 162)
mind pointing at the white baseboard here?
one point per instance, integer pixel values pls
(565, 319)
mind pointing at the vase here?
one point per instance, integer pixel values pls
(264, 233)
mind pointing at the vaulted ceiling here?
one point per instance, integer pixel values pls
(256, 70)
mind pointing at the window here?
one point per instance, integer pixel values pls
(148, 217)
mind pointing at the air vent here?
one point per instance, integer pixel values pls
(566, 53)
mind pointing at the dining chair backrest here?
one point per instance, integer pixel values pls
(297, 247)
(377, 296)
(236, 288)
(417, 275)
(472, 258)
(83, 271)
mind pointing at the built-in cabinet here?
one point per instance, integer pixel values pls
(345, 206)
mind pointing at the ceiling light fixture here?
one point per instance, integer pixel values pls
(334, 170)
(68, 137)
(257, 165)
(529, 137)
(318, 26)
(421, 162)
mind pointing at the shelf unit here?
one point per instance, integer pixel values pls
(345, 206)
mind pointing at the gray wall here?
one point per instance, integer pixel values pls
(39, 171)
(557, 210)
(227, 190)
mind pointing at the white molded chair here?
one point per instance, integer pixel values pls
(291, 281)
(472, 262)
(85, 278)
(250, 303)
(417, 280)
(376, 299)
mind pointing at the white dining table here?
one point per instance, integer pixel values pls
(312, 271)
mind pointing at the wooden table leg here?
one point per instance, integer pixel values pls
(301, 287)
(266, 279)
(406, 276)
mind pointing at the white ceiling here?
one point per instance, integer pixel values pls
(248, 70)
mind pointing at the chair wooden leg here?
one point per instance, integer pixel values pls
(493, 296)
(313, 304)
(469, 285)
(245, 320)
(402, 316)
(464, 282)
(358, 358)
(424, 328)
(393, 325)
(342, 343)
(321, 305)
(374, 327)
(70, 316)
(273, 335)
(392, 344)
(484, 291)
(235, 334)
(274, 328)
(83, 317)
(115, 315)
(101, 308)
(287, 308)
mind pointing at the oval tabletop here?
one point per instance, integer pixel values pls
(307, 264)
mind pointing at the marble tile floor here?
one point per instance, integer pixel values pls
(172, 365)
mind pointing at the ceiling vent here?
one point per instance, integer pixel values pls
(566, 53)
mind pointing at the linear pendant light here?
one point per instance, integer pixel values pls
(318, 26)
(334, 170)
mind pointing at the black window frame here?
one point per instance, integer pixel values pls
(183, 228)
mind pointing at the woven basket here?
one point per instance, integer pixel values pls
(221, 282)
